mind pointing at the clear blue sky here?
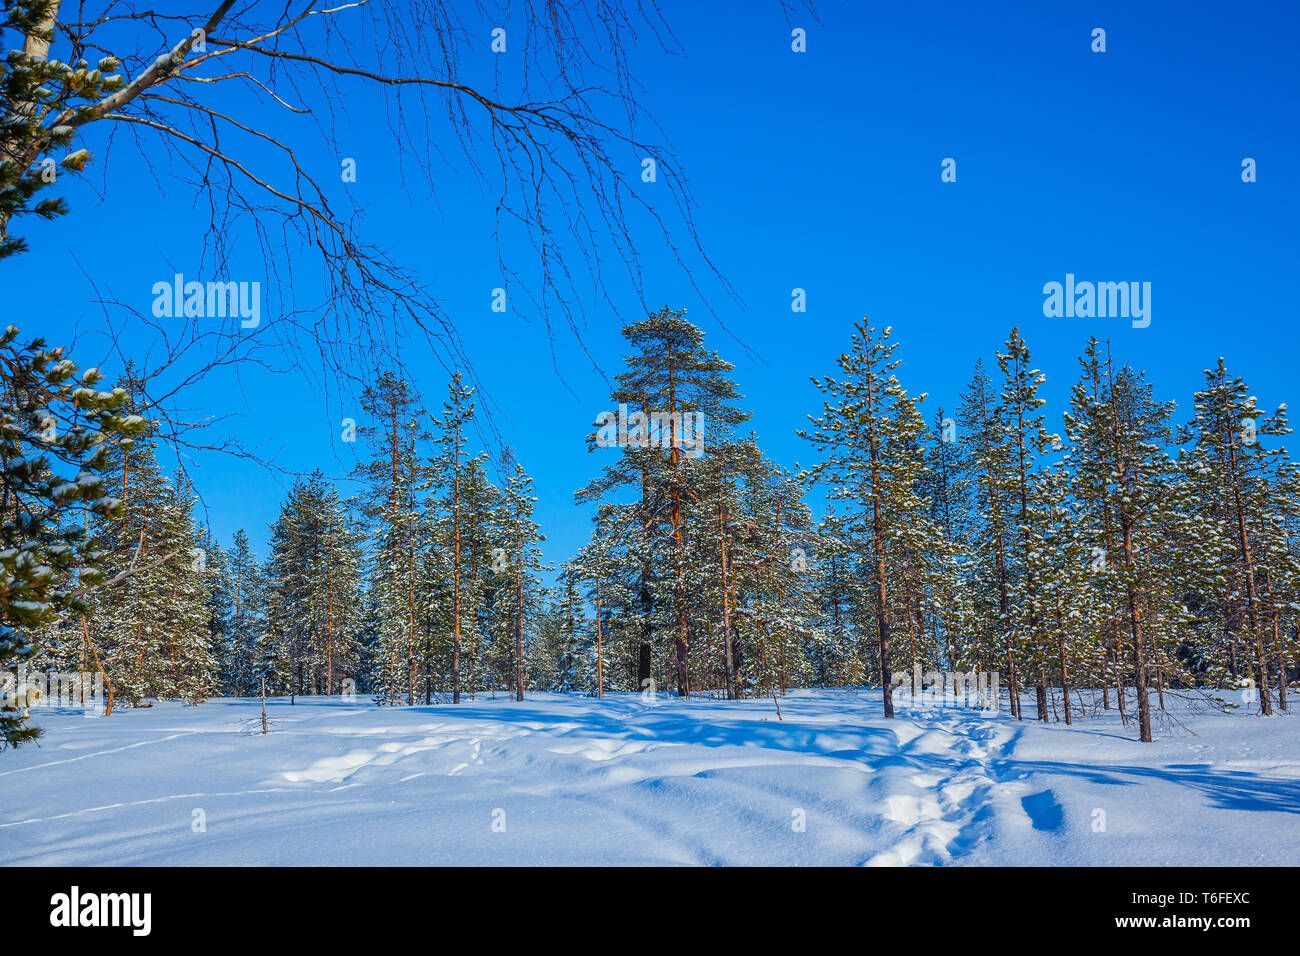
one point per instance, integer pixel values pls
(818, 170)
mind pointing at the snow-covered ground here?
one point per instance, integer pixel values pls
(569, 780)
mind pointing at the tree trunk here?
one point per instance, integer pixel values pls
(455, 573)
(1065, 671)
(1281, 668)
(600, 658)
(410, 610)
(644, 677)
(1135, 625)
(1119, 677)
(329, 628)
(108, 684)
(519, 628)
(729, 661)
(882, 614)
(677, 519)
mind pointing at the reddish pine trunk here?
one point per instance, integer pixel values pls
(1135, 628)
(519, 628)
(600, 658)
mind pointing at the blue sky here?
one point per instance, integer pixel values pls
(816, 170)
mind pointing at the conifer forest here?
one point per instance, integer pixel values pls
(639, 435)
(1119, 556)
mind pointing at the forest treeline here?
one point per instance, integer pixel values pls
(1128, 550)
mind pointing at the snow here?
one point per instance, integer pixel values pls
(628, 780)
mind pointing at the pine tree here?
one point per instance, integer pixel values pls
(57, 429)
(870, 432)
(521, 536)
(671, 379)
(1028, 442)
(394, 477)
(1122, 468)
(1056, 560)
(918, 556)
(984, 429)
(449, 469)
(1235, 466)
(1279, 559)
(947, 486)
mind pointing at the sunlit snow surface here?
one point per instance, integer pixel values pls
(572, 780)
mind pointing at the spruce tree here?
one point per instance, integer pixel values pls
(600, 571)
(244, 586)
(150, 621)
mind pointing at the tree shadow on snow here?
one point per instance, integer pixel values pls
(1228, 789)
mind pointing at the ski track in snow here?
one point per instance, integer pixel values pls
(626, 781)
